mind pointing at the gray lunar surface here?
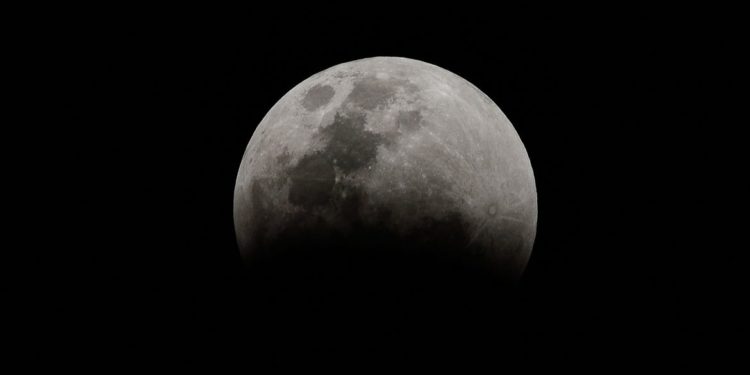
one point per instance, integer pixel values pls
(393, 155)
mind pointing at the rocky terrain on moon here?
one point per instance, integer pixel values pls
(386, 164)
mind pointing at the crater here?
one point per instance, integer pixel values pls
(317, 96)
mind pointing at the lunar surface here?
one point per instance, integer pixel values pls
(391, 162)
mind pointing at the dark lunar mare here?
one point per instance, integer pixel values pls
(349, 147)
(318, 96)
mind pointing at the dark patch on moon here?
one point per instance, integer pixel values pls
(283, 158)
(350, 202)
(350, 146)
(312, 181)
(317, 96)
(370, 93)
(408, 120)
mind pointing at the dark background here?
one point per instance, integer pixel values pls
(619, 114)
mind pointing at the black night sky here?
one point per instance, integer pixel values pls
(618, 117)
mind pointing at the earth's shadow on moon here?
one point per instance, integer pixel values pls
(386, 200)
(368, 283)
(375, 295)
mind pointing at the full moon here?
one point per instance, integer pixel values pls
(390, 163)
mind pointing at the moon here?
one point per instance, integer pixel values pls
(386, 161)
